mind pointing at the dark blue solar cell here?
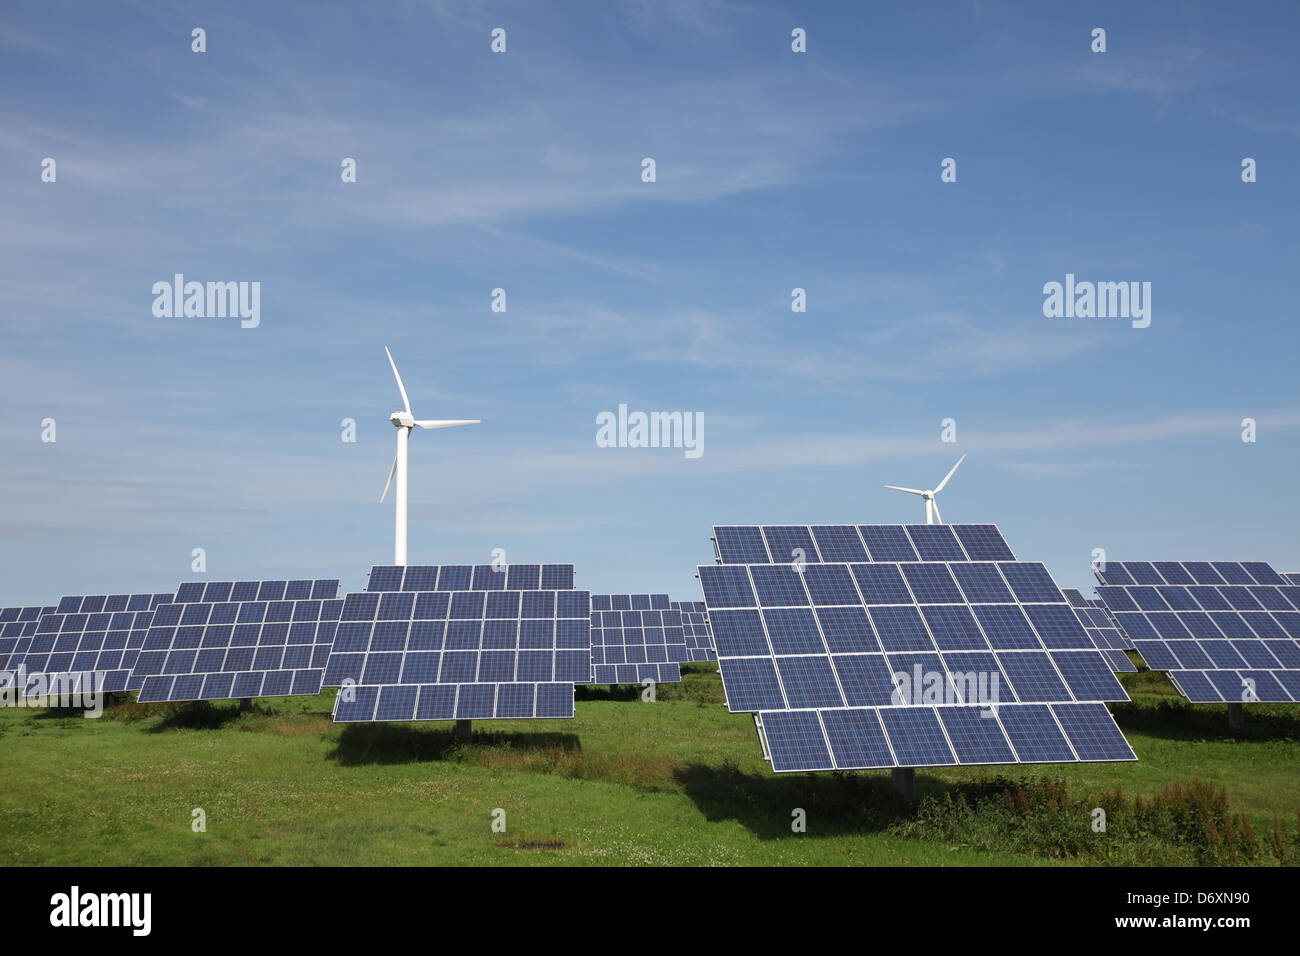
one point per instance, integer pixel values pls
(857, 740)
(1031, 582)
(751, 684)
(248, 684)
(839, 542)
(187, 687)
(1147, 598)
(935, 542)
(793, 631)
(1287, 652)
(982, 584)
(455, 577)
(1232, 625)
(887, 542)
(396, 702)
(778, 585)
(931, 584)
(1057, 626)
(740, 544)
(1174, 573)
(1263, 573)
(1178, 598)
(558, 577)
(976, 677)
(568, 604)
(1240, 598)
(1143, 572)
(1223, 654)
(1156, 655)
(155, 689)
(900, 629)
(831, 584)
(1113, 573)
(1088, 675)
(1034, 734)
(1290, 681)
(187, 592)
(436, 702)
(976, 735)
(726, 586)
(1092, 732)
(1189, 654)
(1032, 676)
(1270, 598)
(919, 679)
(1168, 626)
(523, 577)
(1136, 626)
(847, 630)
(1209, 598)
(554, 700)
(1006, 627)
(1202, 572)
(867, 679)
(325, 588)
(953, 628)
(881, 584)
(1264, 625)
(1116, 598)
(1254, 653)
(1232, 572)
(297, 591)
(809, 682)
(916, 736)
(515, 700)
(983, 542)
(790, 543)
(1195, 686)
(1262, 686)
(476, 701)
(357, 705)
(795, 741)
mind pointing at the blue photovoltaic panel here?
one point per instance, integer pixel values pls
(810, 544)
(84, 643)
(695, 626)
(635, 638)
(467, 577)
(1222, 630)
(479, 652)
(1103, 633)
(861, 738)
(890, 656)
(238, 639)
(17, 628)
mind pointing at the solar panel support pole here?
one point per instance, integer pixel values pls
(903, 780)
(1236, 716)
(464, 729)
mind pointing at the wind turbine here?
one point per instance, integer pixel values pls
(405, 421)
(931, 506)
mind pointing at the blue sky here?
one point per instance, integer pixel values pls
(521, 170)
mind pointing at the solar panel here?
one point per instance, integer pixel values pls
(460, 654)
(695, 625)
(471, 577)
(219, 640)
(811, 544)
(1102, 631)
(17, 628)
(635, 638)
(906, 663)
(84, 643)
(1225, 631)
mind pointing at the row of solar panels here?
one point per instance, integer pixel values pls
(213, 640)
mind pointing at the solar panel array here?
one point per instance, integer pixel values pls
(930, 645)
(235, 639)
(1108, 638)
(804, 544)
(460, 653)
(91, 642)
(695, 624)
(1292, 577)
(471, 577)
(1223, 630)
(17, 628)
(635, 638)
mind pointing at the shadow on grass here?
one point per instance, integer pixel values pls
(363, 744)
(763, 803)
(1177, 720)
(195, 715)
(609, 692)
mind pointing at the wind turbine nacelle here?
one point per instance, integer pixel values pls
(402, 419)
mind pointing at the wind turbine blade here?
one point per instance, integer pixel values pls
(400, 387)
(910, 491)
(391, 471)
(935, 505)
(433, 423)
(949, 475)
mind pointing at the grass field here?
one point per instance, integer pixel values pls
(678, 781)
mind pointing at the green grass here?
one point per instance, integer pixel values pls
(679, 781)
